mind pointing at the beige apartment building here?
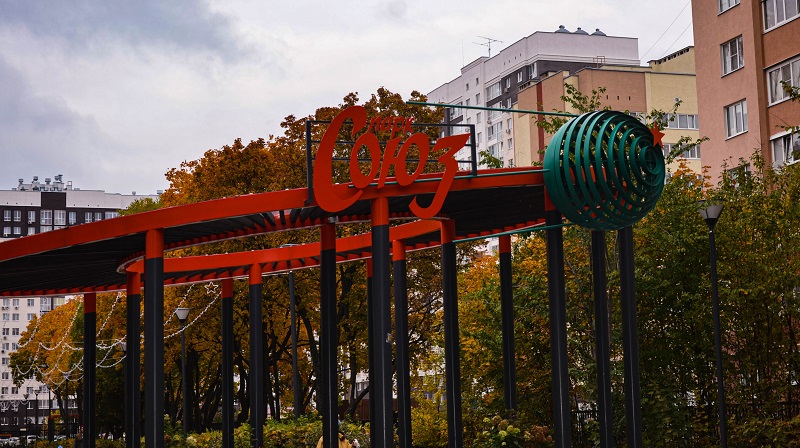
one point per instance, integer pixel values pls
(744, 48)
(637, 89)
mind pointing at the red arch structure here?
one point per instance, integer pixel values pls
(127, 253)
(100, 256)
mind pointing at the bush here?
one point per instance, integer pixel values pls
(768, 433)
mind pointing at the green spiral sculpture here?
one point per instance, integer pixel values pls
(603, 170)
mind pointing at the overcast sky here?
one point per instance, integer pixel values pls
(114, 93)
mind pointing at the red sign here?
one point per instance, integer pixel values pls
(333, 199)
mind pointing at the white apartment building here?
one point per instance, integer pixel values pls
(495, 82)
(28, 209)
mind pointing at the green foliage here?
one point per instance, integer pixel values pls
(499, 433)
(767, 433)
(141, 205)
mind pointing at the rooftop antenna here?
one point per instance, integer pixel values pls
(488, 43)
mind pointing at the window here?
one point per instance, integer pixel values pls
(72, 218)
(776, 12)
(14, 389)
(6, 316)
(15, 302)
(6, 215)
(508, 103)
(725, 5)
(788, 72)
(466, 103)
(508, 124)
(494, 130)
(31, 316)
(5, 375)
(508, 83)
(15, 316)
(60, 217)
(46, 217)
(31, 302)
(29, 390)
(467, 86)
(736, 118)
(5, 363)
(4, 390)
(519, 77)
(17, 215)
(43, 229)
(17, 230)
(479, 137)
(31, 217)
(493, 91)
(785, 150)
(477, 99)
(691, 153)
(98, 216)
(7, 231)
(5, 331)
(31, 230)
(732, 58)
(478, 117)
(682, 121)
(510, 163)
(510, 144)
(533, 70)
(88, 217)
(455, 112)
(15, 332)
(476, 81)
(14, 346)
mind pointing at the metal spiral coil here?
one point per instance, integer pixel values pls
(603, 170)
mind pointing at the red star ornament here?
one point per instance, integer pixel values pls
(657, 135)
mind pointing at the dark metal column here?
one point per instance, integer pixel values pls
(452, 344)
(256, 380)
(723, 418)
(558, 330)
(381, 343)
(89, 369)
(507, 312)
(370, 353)
(154, 338)
(133, 403)
(630, 339)
(602, 343)
(298, 399)
(227, 363)
(401, 342)
(328, 336)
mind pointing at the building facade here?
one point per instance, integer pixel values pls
(27, 209)
(637, 90)
(744, 49)
(496, 81)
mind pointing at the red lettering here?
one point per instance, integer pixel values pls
(335, 197)
(328, 197)
(454, 143)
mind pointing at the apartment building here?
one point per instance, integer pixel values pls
(496, 81)
(27, 209)
(637, 90)
(744, 49)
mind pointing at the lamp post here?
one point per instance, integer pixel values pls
(711, 214)
(49, 415)
(66, 404)
(25, 423)
(182, 314)
(129, 419)
(36, 415)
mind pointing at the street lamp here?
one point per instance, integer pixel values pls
(25, 426)
(711, 214)
(182, 314)
(36, 414)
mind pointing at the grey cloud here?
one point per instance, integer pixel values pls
(42, 135)
(81, 24)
